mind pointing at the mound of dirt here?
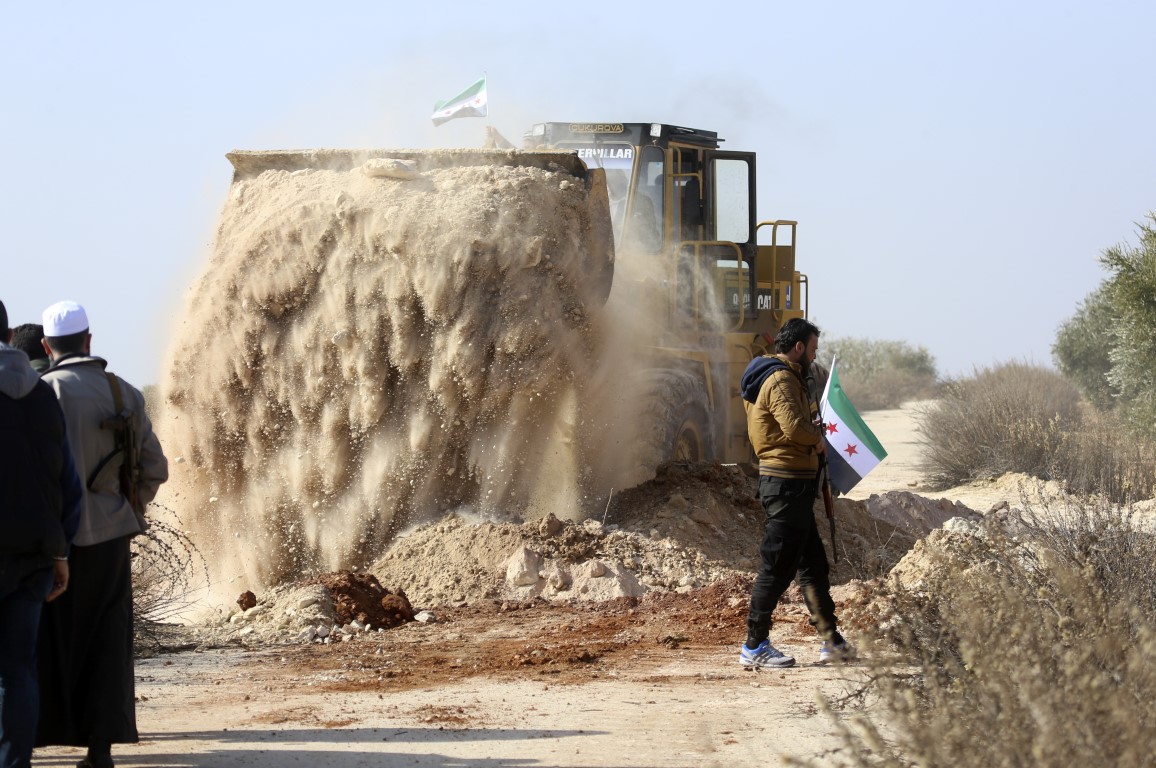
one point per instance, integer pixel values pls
(693, 526)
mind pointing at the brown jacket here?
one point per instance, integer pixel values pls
(780, 428)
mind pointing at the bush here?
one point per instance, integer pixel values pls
(880, 374)
(1105, 457)
(1023, 418)
(1028, 641)
(1010, 418)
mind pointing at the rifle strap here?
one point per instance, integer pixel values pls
(117, 400)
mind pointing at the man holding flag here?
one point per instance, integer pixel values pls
(789, 443)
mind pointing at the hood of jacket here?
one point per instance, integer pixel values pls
(16, 375)
(757, 372)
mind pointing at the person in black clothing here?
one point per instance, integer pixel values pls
(40, 497)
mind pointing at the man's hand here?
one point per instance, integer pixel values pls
(59, 580)
(821, 448)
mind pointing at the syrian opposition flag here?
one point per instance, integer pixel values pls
(469, 103)
(852, 450)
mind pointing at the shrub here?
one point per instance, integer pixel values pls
(1028, 641)
(1022, 418)
(1010, 418)
(1104, 457)
(880, 374)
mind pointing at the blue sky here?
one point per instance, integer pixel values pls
(955, 168)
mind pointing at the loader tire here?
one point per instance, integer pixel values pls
(680, 426)
(689, 441)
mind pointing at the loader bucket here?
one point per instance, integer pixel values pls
(599, 233)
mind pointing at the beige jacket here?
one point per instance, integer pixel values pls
(86, 399)
(780, 426)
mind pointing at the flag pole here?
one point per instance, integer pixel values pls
(824, 472)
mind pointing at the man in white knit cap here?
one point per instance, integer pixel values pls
(86, 659)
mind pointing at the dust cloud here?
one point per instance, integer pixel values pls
(376, 342)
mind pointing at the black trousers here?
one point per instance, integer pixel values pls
(87, 690)
(791, 549)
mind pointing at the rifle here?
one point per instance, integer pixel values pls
(828, 500)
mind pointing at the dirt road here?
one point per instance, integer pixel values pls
(627, 682)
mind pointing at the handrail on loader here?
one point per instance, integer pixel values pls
(776, 311)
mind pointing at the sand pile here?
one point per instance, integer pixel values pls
(367, 348)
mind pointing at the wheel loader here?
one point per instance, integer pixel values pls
(676, 196)
(668, 194)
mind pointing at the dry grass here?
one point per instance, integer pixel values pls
(1028, 641)
(1104, 457)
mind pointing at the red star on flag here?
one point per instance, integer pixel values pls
(832, 429)
(851, 449)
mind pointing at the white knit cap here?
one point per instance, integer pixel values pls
(64, 318)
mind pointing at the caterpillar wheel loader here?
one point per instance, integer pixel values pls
(672, 196)
(677, 197)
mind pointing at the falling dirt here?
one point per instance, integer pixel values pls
(368, 350)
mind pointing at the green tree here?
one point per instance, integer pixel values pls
(1131, 292)
(1083, 346)
(1108, 346)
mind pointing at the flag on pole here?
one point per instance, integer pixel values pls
(852, 450)
(469, 103)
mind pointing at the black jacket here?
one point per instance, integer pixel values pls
(40, 492)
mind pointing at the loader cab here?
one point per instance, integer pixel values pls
(686, 210)
(673, 192)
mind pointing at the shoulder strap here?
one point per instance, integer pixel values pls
(117, 400)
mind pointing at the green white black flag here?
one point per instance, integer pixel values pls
(852, 450)
(472, 102)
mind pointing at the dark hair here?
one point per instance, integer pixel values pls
(27, 338)
(3, 323)
(72, 344)
(793, 331)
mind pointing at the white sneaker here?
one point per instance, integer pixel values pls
(765, 656)
(836, 650)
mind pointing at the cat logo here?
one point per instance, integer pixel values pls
(766, 301)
